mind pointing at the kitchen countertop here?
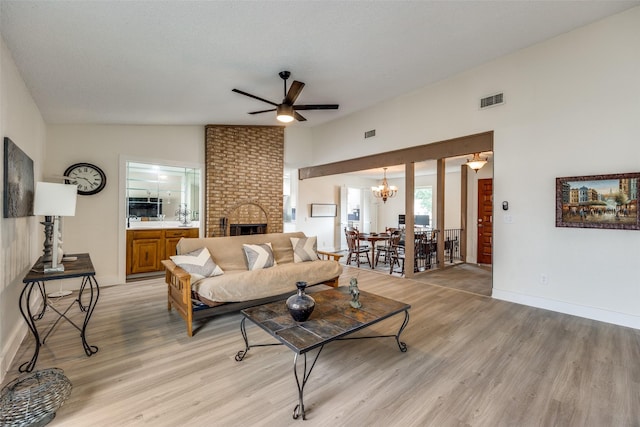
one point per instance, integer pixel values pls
(147, 225)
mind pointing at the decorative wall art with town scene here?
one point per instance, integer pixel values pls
(598, 201)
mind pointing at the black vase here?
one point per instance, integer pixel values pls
(300, 305)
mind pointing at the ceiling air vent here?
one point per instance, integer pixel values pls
(370, 133)
(492, 101)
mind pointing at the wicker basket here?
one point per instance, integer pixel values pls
(34, 398)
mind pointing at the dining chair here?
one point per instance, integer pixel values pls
(356, 250)
(420, 252)
(385, 248)
(397, 256)
(431, 249)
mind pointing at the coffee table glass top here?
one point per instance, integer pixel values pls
(332, 318)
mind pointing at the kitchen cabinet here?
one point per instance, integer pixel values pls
(146, 248)
(173, 236)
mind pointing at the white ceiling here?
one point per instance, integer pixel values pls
(175, 62)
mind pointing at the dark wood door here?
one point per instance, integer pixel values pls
(485, 220)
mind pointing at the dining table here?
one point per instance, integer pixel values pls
(373, 238)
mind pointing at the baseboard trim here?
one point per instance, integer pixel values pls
(593, 313)
(11, 347)
(18, 334)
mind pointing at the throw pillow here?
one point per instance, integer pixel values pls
(259, 256)
(304, 248)
(198, 263)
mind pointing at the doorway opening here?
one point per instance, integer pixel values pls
(160, 204)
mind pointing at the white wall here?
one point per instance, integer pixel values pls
(21, 121)
(324, 190)
(99, 225)
(297, 146)
(571, 109)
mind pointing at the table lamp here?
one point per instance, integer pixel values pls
(53, 201)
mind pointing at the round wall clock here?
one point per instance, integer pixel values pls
(89, 178)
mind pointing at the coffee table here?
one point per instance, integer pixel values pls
(332, 319)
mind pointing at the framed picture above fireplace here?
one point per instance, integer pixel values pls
(323, 210)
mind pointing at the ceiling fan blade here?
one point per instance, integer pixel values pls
(294, 91)
(299, 117)
(254, 97)
(316, 107)
(262, 111)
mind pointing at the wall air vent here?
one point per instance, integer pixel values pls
(492, 101)
(370, 133)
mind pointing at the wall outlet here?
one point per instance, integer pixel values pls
(544, 279)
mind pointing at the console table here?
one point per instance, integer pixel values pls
(333, 319)
(36, 280)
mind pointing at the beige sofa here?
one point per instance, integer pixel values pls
(240, 287)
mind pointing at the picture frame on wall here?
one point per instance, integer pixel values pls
(323, 210)
(598, 201)
(18, 182)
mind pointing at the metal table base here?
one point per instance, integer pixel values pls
(302, 367)
(36, 279)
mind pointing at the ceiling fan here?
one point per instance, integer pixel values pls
(287, 111)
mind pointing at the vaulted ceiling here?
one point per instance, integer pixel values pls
(176, 62)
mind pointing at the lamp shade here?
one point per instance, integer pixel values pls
(53, 199)
(477, 162)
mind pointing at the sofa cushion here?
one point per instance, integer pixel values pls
(259, 256)
(237, 286)
(198, 263)
(305, 248)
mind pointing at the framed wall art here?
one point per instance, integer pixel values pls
(323, 210)
(598, 201)
(18, 182)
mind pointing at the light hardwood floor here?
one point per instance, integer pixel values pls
(471, 361)
(472, 278)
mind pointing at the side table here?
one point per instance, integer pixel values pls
(37, 279)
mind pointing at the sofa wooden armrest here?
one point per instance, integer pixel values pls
(179, 292)
(329, 255)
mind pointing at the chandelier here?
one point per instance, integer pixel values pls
(384, 191)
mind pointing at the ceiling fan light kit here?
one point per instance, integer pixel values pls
(286, 111)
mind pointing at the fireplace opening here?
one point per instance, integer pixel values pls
(246, 229)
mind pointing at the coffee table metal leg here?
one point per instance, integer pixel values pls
(242, 353)
(402, 345)
(299, 409)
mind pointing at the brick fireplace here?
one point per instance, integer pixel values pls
(244, 174)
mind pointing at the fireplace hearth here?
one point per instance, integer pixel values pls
(246, 229)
